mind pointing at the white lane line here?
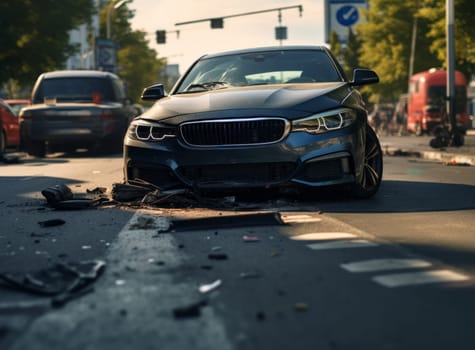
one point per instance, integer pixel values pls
(416, 278)
(299, 218)
(356, 243)
(318, 236)
(384, 265)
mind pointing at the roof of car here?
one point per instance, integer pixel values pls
(268, 48)
(77, 74)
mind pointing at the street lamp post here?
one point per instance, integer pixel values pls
(112, 6)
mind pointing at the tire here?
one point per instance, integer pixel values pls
(35, 148)
(370, 180)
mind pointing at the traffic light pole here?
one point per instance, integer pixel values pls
(218, 20)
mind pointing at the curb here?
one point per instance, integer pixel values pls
(447, 158)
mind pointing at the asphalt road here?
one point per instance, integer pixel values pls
(393, 272)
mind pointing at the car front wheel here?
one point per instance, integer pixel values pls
(35, 148)
(370, 179)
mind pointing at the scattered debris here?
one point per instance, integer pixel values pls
(61, 197)
(97, 190)
(63, 281)
(52, 222)
(217, 256)
(143, 223)
(192, 310)
(57, 193)
(454, 162)
(261, 316)
(206, 288)
(132, 191)
(300, 307)
(250, 239)
(250, 274)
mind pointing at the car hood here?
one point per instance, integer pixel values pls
(277, 100)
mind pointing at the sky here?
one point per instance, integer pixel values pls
(197, 39)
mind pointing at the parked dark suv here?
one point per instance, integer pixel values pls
(75, 109)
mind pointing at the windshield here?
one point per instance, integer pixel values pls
(266, 67)
(74, 89)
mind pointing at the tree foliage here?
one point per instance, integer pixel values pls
(35, 37)
(433, 11)
(138, 64)
(387, 34)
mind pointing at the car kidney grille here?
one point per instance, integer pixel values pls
(234, 132)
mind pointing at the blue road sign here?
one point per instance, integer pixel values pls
(347, 15)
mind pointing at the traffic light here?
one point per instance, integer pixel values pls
(280, 33)
(161, 36)
(217, 23)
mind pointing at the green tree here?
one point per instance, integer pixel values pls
(351, 53)
(433, 11)
(34, 36)
(335, 45)
(138, 64)
(386, 46)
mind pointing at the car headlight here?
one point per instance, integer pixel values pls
(147, 131)
(325, 121)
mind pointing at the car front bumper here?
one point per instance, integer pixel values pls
(300, 159)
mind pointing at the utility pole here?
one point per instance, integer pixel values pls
(450, 66)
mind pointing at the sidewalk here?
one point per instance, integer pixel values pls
(415, 146)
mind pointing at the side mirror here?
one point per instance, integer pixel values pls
(363, 77)
(154, 92)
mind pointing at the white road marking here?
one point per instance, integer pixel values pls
(416, 278)
(141, 303)
(318, 236)
(356, 243)
(384, 265)
(299, 218)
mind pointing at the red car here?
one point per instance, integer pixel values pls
(17, 104)
(10, 130)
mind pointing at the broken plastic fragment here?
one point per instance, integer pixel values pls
(50, 223)
(217, 256)
(63, 281)
(206, 288)
(57, 193)
(192, 310)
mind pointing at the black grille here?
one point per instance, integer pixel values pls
(251, 174)
(233, 132)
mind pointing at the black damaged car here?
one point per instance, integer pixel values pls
(258, 118)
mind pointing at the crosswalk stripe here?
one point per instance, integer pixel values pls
(416, 278)
(317, 236)
(355, 243)
(384, 265)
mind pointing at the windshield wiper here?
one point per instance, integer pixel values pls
(211, 85)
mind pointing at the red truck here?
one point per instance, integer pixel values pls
(427, 101)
